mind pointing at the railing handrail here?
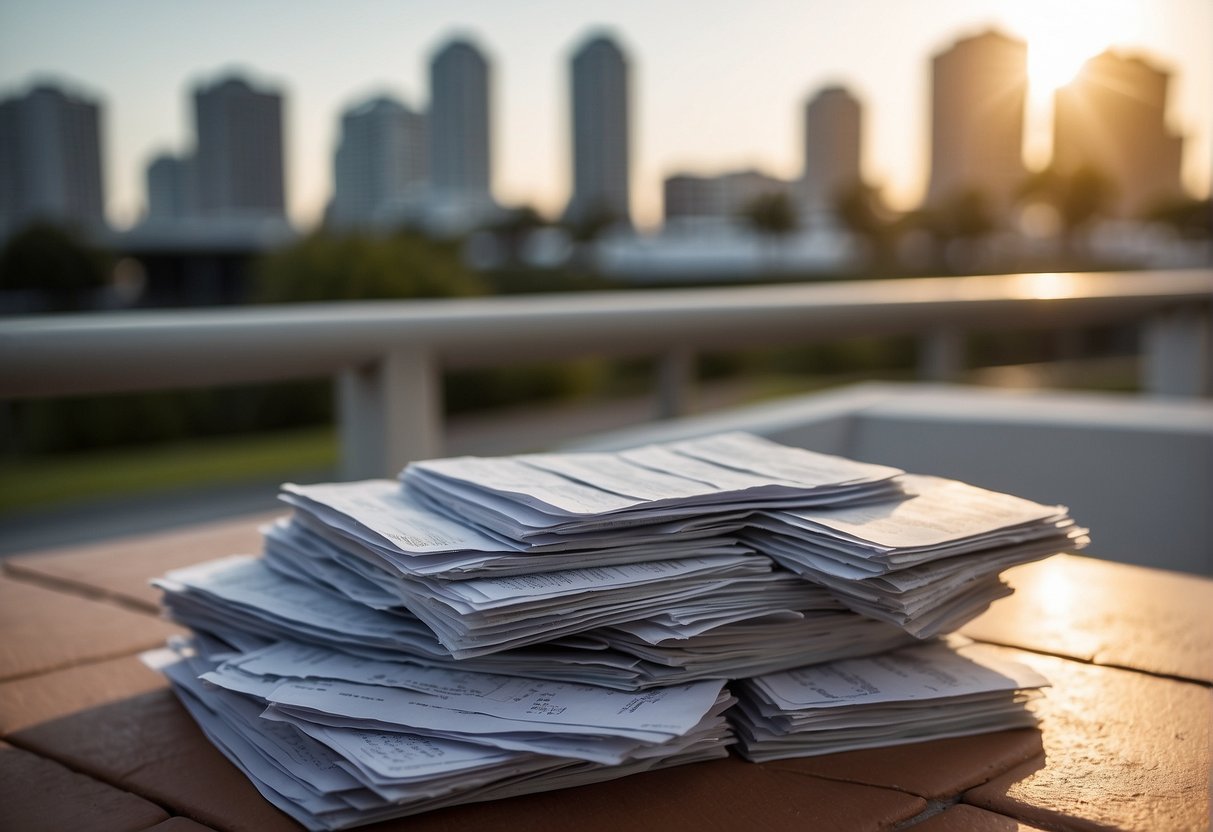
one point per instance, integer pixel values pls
(386, 356)
(152, 349)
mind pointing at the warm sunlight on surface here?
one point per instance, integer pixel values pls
(1046, 286)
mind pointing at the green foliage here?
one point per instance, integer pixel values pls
(1079, 196)
(519, 280)
(26, 484)
(862, 210)
(772, 214)
(591, 223)
(56, 262)
(964, 215)
(51, 426)
(1192, 218)
(362, 267)
(471, 390)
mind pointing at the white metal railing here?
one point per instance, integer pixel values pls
(387, 356)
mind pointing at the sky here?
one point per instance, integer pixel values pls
(717, 84)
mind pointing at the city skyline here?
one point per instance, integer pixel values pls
(676, 130)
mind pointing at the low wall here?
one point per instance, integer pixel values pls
(1138, 472)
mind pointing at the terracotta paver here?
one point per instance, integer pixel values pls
(1117, 749)
(180, 825)
(149, 745)
(963, 818)
(122, 570)
(36, 699)
(936, 770)
(1098, 611)
(47, 630)
(1122, 749)
(724, 795)
(39, 794)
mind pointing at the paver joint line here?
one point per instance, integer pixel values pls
(934, 807)
(1094, 662)
(79, 590)
(106, 657)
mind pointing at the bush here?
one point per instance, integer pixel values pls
(55, 263)
(359, 267)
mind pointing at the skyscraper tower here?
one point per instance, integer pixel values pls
(833, 125)
(50, 159)
(170, 188)
(601, 132)
(1112, 120)
(978, 93)
(239, 160)
(380, 161)
(459, 123)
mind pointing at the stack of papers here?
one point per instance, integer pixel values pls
(246, 603)
(929, 691)
(540, 499)
(488, 627)
(333, 753)
(928, 562)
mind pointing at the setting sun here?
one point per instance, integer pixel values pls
(1052, 65)
(1061, 37)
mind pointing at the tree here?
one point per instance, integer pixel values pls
(55, 262)
(862, 210)
(771, 214)
(955, 225)
(585, 225)
(360, 267)
(513, 230)
(1192, 218)
(1078, 196)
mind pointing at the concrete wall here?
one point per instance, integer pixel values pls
(1137, 472)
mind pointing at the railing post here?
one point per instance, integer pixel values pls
(389, 413)
(675, 379)
(940, 355)
(1177, 358)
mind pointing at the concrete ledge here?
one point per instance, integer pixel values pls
(1138, 472)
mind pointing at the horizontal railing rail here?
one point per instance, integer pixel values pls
(387, 356)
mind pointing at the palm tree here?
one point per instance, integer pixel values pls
(773, 216)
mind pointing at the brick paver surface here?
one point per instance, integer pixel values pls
(1124, 744)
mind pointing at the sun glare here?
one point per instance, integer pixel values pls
(1052, 65)
(1061, 36)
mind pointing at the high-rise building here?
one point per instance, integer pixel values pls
(833, 126)
(238, 156)
(978, 94)
(380, 164)
(721, 197)
(601, 132)
(170, 188)
(459, 123)
(50, 159)
(1112, 120)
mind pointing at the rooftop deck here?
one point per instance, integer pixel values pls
(94, 740)
(91, 739)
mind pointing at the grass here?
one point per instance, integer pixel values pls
(26, 484)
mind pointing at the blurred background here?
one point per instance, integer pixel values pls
(172, 155)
